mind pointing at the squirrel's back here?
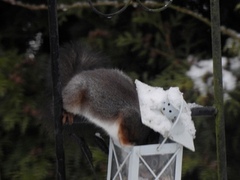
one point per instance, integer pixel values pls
(106, 97)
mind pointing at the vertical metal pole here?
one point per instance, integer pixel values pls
(57, 100)
(218, 90)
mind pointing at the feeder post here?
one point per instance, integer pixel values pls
(56, 88)
(218, 90)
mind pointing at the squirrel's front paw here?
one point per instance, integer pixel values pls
(67, 118)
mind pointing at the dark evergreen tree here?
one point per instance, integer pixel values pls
(152, 47)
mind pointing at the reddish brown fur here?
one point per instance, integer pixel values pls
(81, 99)
(123, 132)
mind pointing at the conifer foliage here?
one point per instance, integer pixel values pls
(156, 48)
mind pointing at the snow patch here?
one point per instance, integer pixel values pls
(201, 73)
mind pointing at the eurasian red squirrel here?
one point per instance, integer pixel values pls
(106, 97)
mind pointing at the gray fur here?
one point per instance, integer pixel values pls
(107, 97)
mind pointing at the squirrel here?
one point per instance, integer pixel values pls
(104, 96)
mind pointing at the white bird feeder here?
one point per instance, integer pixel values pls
(145, 162)
(165, 112)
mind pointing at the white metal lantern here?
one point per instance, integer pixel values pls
(147, 162)
(165, 112)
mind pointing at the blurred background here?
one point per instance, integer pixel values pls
(170, 48)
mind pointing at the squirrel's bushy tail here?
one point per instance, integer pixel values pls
(76, 57)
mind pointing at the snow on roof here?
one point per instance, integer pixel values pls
(166, 112)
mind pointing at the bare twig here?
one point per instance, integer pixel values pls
(227, 31)
(27, 6)
(60, 6)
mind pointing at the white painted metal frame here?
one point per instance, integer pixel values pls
(126, 165)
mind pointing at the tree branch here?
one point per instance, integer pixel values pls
(229, 32)
(226, 31)
(60, 6)
(26, 6)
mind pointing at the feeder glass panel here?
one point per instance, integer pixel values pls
(150, 167)
(120, 160)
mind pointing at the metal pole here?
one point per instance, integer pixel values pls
(56, 91)
(218, 90)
